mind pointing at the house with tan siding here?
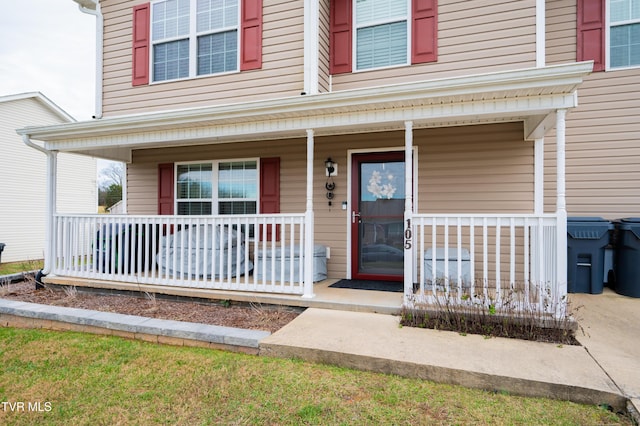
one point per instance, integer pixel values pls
(435, 146)
(23, 177)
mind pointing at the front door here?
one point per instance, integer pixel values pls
(377, 216)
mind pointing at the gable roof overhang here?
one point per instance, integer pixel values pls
(530, 95)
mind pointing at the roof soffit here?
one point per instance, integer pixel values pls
(502, 96)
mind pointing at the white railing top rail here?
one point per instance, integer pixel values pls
(183, 217)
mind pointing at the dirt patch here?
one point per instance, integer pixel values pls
(214, 312)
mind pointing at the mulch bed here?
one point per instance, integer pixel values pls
(215, 312)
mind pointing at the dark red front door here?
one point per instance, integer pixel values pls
(377, 216)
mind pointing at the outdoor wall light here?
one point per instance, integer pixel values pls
(330, 166)
(330, 185)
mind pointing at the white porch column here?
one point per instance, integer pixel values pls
(309, 226)
(538, 164)
(561, 214)
(408, 210)
(52, 209)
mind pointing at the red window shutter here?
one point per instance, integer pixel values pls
(251, 35)
(424, 31)
(340, 42)
(591, 32)
(270, 189)
(165, 188)
(140, 57)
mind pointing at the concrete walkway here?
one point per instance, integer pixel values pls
(605, 370)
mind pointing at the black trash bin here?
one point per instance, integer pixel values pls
(110, 250)
(587, 238)
(2, 245)
(627, 263)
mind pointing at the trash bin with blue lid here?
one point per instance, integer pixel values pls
(627, 264)
(587, 238)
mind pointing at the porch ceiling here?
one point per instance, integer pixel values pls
(529, 95)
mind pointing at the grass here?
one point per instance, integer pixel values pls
(9, 268)
(88, 379)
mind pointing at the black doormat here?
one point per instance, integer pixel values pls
(393, 286)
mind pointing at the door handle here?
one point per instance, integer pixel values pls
(354, 215)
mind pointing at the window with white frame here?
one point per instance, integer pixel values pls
(194, 37)
(382, 28)
(624, 33)
(235, 182)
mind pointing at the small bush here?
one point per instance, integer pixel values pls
(479, 315)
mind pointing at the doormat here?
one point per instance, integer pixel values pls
(395, 287)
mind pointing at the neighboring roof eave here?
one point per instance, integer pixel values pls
(314, 111)
(48, 103)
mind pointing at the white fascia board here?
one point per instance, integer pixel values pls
(459, 98)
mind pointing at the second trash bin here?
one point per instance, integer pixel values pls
(587, 238)
(627, 264)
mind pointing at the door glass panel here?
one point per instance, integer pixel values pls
(381, 206)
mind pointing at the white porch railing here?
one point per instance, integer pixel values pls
(494, 259)
(258, 253)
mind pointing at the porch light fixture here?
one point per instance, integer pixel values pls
(329, 164)
(330, 185)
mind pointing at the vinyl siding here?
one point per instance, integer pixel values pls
(603, 132)
(498, 36)
(323, 58)
(463, 170)
(281, 74)
(23, 181)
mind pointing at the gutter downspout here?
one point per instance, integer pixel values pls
(49, 246)
(99, 61)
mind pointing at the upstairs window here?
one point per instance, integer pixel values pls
(178, 39)
(371, 34)
(609, 33)
(624, 33)
(381, 33)
(194, 37)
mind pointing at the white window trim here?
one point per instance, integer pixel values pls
(354, 38)
(608, 26)
(193, 44)
(215, 167)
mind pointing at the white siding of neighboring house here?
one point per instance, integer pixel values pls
(23, 180)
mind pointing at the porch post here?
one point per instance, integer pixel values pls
(408, 211)
(309, 227)
(561, 214)
(538, 164)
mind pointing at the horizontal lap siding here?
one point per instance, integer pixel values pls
(603, 132)
(323, 58)
(475, 169)
(23, 181)
(461, 170)
(473, 38)
(280, 76)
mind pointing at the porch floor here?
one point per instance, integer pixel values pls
(325, 297)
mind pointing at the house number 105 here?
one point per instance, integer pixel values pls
(407, 235)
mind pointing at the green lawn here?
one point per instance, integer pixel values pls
(16, 267)
(94, 380)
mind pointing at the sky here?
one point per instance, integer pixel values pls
(48, 46)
